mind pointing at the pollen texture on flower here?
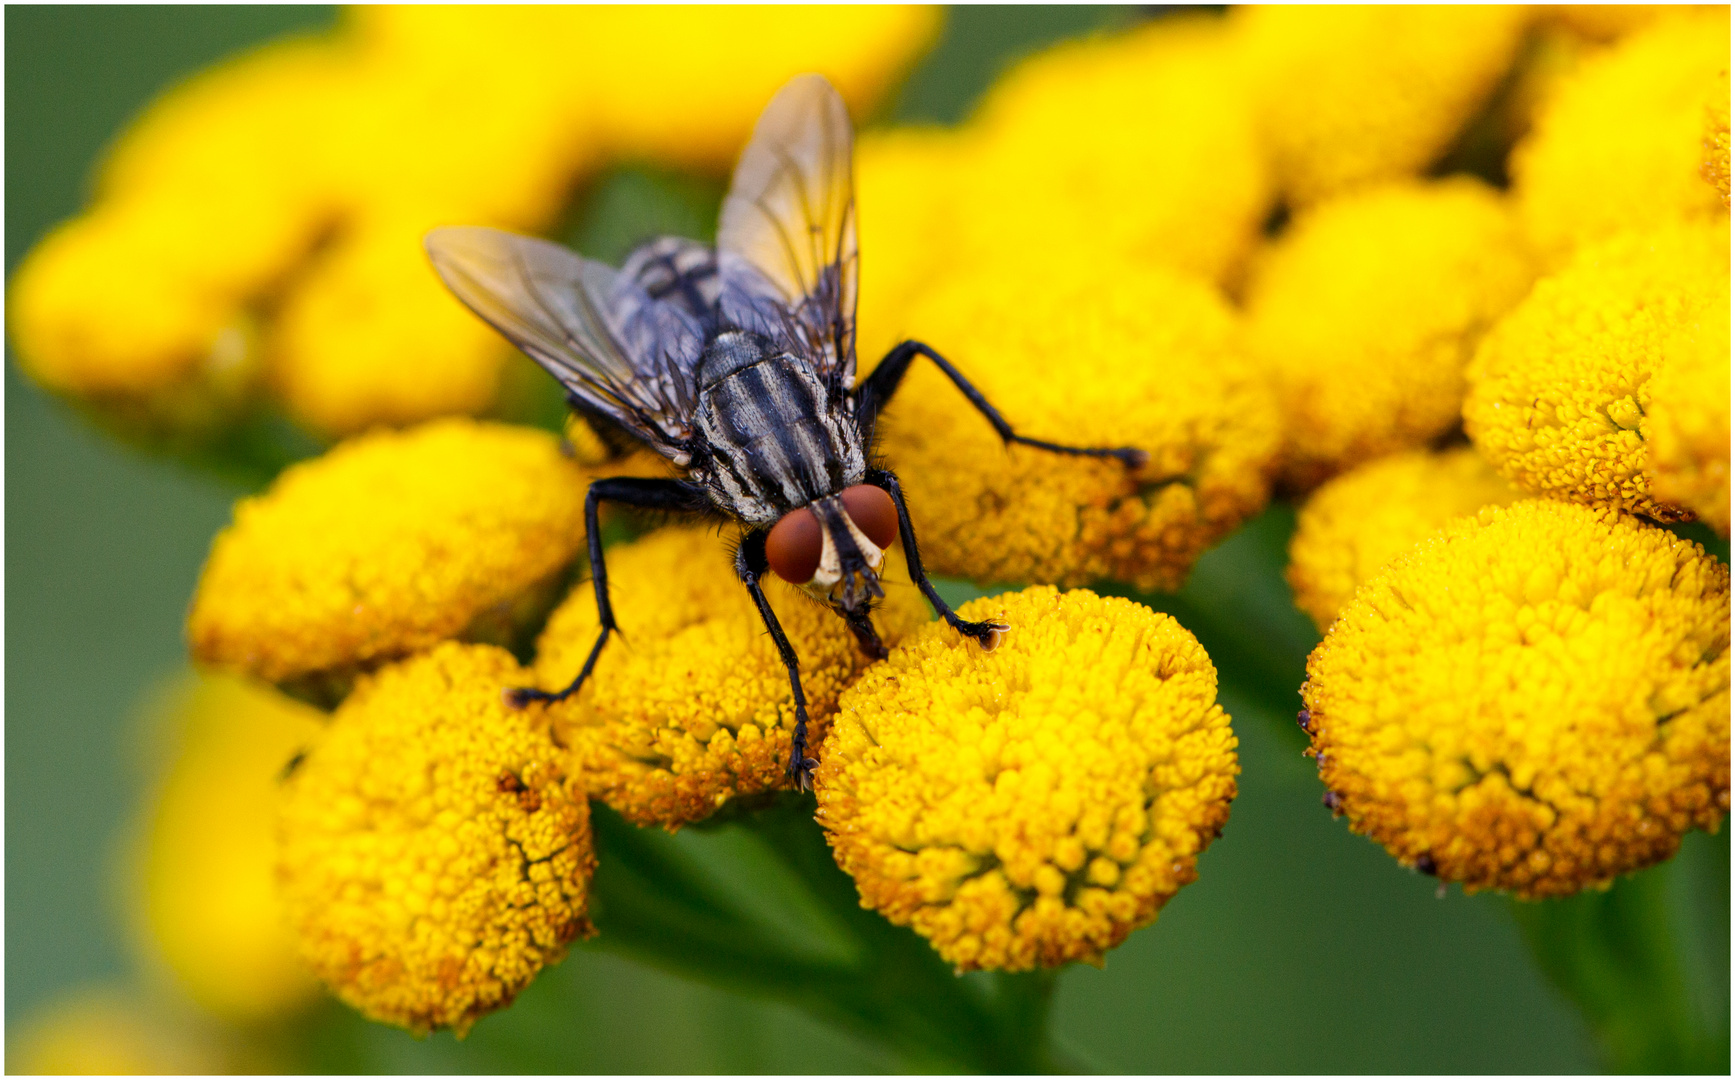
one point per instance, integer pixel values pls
(1034, 804)
(1088, 355)
(690, 705)
(435, 845)
(1367, 310)
(386, 545)
(1687, 423)
(211, 906)
(1560, 388)
(1620, 143)
(1354, 94)
(1537, 701)
(1714, 164)
(1357, 523)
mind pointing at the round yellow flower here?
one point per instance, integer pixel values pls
(210, 904)
(1367, 309)
(1034, 804)
(435, 845)
(1091, 352)
(1357, 523)
(1536, 701)
(1355, 95)
(1687, 423)
(1620, 143)
(1560, 388)
(386, 545)
(1142, 145)
(371, 336)
(690, 705)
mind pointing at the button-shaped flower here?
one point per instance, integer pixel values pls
(1355, 524)
(435, 844)
(1366, 310)
(1560, 388)
(692, 705)
(1034, 804)
(1536, 701)
(1089, 353)
(387, 545)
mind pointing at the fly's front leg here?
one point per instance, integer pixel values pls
(750, 564)
(987, 634)
(877, 389)
(628, 491)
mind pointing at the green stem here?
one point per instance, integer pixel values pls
(653, 903)
(1616, 955)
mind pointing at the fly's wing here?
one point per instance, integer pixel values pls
(786, 238)
(608, 342)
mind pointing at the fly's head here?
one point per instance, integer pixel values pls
(834, 546)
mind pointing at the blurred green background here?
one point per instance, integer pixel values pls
(1301, 948)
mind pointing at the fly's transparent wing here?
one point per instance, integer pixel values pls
(786, 238)
(607, 341)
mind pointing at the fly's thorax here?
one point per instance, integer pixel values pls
(776, 439)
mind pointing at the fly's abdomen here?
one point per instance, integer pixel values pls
(775, 443)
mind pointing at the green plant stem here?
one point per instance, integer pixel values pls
(1616, 955)
(652, 904)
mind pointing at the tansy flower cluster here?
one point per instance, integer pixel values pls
(257, 231)
(1513, 693)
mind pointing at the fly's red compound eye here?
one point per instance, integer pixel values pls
(873, 512)
(793, 546)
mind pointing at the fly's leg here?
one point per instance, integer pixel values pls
(877, 389)
(628, 491)
(750, 564)
(987, 634)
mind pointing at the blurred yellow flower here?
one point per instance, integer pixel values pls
(435, 845)
(1537, 701)
(345, 148)
(208, 849)
(691, 706)
(1093, 352)
(98, 1031)
(1560, 390)
(1366, 310)
(386, 545)
(1034, 804)
(1687, 423)
(1352, 95)
(1620, 143)
(1140, 144)
(1714, 162)
(1357, 523)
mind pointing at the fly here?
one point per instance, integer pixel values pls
(737, 363)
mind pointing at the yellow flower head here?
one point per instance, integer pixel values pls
(1688, 418)
(1620, 143)
(1352, 95)
(1357, 523)
(1366, 311)
(1142, 144)
(435, 845)
(1034, 804)
(1091, 352)
(98, 1031)
(386, 545)
(691, 705)
(1714, 164)
(1536, 701)
(211, 907)
(1560, 388)
(371, 336)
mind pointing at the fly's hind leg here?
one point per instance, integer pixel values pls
(628, 491)
(751, 565)
(877, 389)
